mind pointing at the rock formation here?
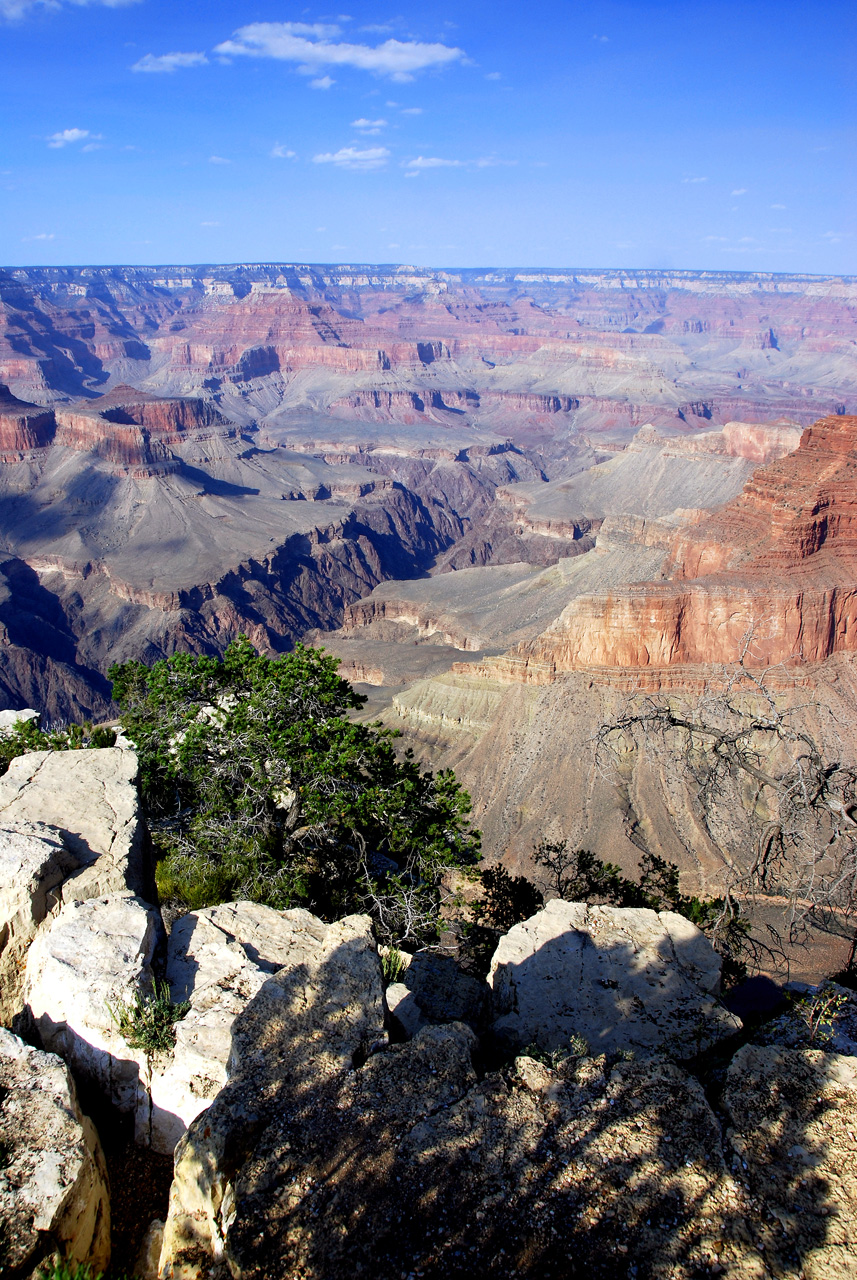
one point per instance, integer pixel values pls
(53, 1182)
(617, 978)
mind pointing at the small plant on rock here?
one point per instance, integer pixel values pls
(148, 1021)
(392, 965)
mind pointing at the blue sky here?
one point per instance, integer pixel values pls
(712, 135)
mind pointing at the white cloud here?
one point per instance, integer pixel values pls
(694, 179)
(44, 235)
(412, 111)
(778, 206)
(280, 152)
(311, 47)
(209, 224)
(722, 239)
(601, 39)
(354, 158)
(739, 191)
(65, 136)
(169, 61)
(218, 160)
(490, 162)
(494, 75)
(432, 162)
(323, 82)
(18, 8)
(368, 126)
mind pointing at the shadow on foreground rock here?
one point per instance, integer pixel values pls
(330, 1153)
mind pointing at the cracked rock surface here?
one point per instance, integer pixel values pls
(91, 798)
(34, 863)
(53, 1181)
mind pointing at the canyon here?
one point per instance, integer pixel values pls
(510, 501)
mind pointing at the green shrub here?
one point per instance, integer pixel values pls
(257, 785)
(26, 736)
(147, 1021)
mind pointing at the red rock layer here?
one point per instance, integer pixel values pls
(130, 428)
(772, 574)
(23, 426)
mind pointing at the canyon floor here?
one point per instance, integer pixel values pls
(514, 503)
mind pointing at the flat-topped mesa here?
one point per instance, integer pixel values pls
(131, 428)
(23, 426)
(777, 566)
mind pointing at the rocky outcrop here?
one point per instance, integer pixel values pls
(82, 969)
(53, 1181)
(320, 1161)
(34, 864)
(294, 1044)
(615, 977)
(90, 797)
(217, 960)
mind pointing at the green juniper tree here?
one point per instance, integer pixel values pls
(257, 785)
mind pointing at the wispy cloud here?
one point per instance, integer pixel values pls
(354, 158)
(311, 46)
(43, 235)
(601, 39)
(209, 224)
(166, 62)
(739, 191)
(778, 206)
(412, 111)
(322, 82)
(368, 126)
(694, 179)
(20, 8)
(491, 162)
(280, 152)
(494, 75)
(218, 160)
(66, 136)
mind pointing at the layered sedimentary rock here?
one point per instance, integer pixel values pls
(774, 571)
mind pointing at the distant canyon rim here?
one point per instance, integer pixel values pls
(508, 500)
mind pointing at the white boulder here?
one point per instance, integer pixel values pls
(620, 978)
(217, 959)
(53, 1181)
(92, 957)
(90, 796)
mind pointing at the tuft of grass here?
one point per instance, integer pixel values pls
(148, 1021)
(392, 966)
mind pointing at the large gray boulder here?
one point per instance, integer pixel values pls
(620, 978)
(92, 957)
(53, 1181)
(34, 864)
(217, 960)
(90, 797)
(296, 1040)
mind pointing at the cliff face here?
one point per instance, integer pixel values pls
(22, 426)
(775, 568)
